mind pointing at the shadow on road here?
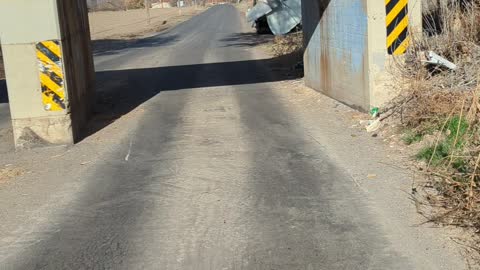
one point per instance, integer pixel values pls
(248, 39)
(120, 91)
(113, 46)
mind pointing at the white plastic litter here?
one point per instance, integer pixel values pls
(435, 59)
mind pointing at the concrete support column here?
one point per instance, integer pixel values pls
(49, 69)
(347, 54)
(381, 70)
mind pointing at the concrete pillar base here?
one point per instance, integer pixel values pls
(38, 132)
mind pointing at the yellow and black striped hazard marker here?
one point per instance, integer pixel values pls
(49, 55)
(397, 26)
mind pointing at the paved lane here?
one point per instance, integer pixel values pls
(217, 174)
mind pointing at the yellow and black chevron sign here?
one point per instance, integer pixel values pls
(49, 55)
(397, 26)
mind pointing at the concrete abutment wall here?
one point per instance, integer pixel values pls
(49, 69)
(346, 53)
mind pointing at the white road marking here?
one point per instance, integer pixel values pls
(129, 150)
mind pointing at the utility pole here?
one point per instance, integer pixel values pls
(147, 9)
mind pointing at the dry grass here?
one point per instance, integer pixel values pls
(288, 44)
(436, 100)
(135, 4)
(133, 23)
(288, 53)
(114, 5)
(9, 173)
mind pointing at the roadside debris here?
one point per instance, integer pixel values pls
(435, 59)
(374, 125)
(281, 15)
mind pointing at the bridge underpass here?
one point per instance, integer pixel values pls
(50, 72)
(246, 175)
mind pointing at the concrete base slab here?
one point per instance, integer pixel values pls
(43, 131)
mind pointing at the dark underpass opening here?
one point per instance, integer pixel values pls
(6, 135)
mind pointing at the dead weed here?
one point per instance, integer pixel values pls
(8, 173)
(288, 44)
(446, 103)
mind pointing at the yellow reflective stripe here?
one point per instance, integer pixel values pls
(396, 10)
(52, 85)
(403, 47)
(398, 30)
(49, 100)
(53, 47)
(43, 58)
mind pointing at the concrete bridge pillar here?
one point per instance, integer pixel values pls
(351, 44)
(49, 69)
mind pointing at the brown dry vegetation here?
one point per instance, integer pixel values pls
(288, 44)
(115, 5)
(445, 103)
(8, 173)
(119, 5)
(288, 54)
(133, 23)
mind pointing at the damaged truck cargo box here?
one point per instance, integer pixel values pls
(281, 15)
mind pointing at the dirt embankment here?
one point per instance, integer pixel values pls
(438, 114)
(106, 25)
(134, 23)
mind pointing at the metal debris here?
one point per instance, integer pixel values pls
(282, 15)
(435, 59)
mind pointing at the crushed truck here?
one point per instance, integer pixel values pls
(278, 16)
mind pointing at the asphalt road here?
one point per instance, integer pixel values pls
(216, 174)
